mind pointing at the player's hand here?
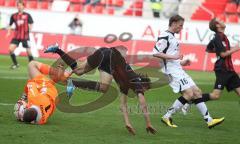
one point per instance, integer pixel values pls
(131, 130)
(151, 130)
(186, 62)
(178, 56)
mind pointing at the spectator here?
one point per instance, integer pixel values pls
(156, 6)
(76, 26)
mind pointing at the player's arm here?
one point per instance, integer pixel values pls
(159, 49)
(124, 110)
(220, 49)
(168, 57)
(9, 28)
(145, 111)
(30, 22)
(185, 62)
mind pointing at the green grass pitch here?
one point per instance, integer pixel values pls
(106, 125)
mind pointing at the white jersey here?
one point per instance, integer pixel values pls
(168, 44)
(179, 80)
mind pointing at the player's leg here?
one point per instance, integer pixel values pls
(25, 44)
(201, 106)
(101, 86)
(124, 110)
(237, 90)
(13, 45)
(65, 57)
(144, 108)
(33, 69)
(178, 83)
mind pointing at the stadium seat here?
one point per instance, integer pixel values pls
(99, 9)
(233, 18)
(10, 3)
(2, 2)
(32, 4)
(222, 17)
(110, 11)
(109, 2)
(128, 12)
(74, 1)
(238, 10)
(44, 5)
(76, 7)
(119, 3)
(231, 8)
(88, 8)
(82, 1)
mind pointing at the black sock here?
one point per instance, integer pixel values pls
(67, 59)
(206, 97)
(30, 58)
(89, 85)
(13, 57)
(197, 101)
(182, 100)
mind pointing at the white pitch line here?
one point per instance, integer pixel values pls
(11, 77)
(6, 104)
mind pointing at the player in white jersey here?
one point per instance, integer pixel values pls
(167, 49)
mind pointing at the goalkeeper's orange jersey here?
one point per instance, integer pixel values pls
(42, 93)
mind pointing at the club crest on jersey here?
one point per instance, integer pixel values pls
(24, 16)
(219, 86)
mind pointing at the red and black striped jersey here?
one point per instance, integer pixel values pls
(21, 21)
(221, 44)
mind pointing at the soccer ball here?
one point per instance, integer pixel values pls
(19, 109)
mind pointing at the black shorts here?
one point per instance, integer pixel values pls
(101, 58)
(228, 79)
(25, 43)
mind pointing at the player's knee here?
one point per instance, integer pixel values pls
(31, 64)
(188, 95)
(103, 88)
(215, 96)
(197, 93)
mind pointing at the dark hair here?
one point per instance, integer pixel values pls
(175, 18)
(213, 24)
(29, 115)
(21, 2)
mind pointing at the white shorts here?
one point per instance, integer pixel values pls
(180, 81)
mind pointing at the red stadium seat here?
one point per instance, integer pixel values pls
(119, 3)
(99, 9)
(74, 1)
(77, 7)
(231, 8)
(222, 17)
(233, 18)
(82, 1)
(109, 2)
(110, 11)
(138, 12)
(44, 5)
(10, 3)
(32, 4)
(2, 2)
(89, 8)
(128, 12)
(238, 9)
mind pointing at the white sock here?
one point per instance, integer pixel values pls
(175, 107)
(204, 111)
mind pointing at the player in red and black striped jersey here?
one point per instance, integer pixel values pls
(111, 65)
(224, 70)
(23, 24)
